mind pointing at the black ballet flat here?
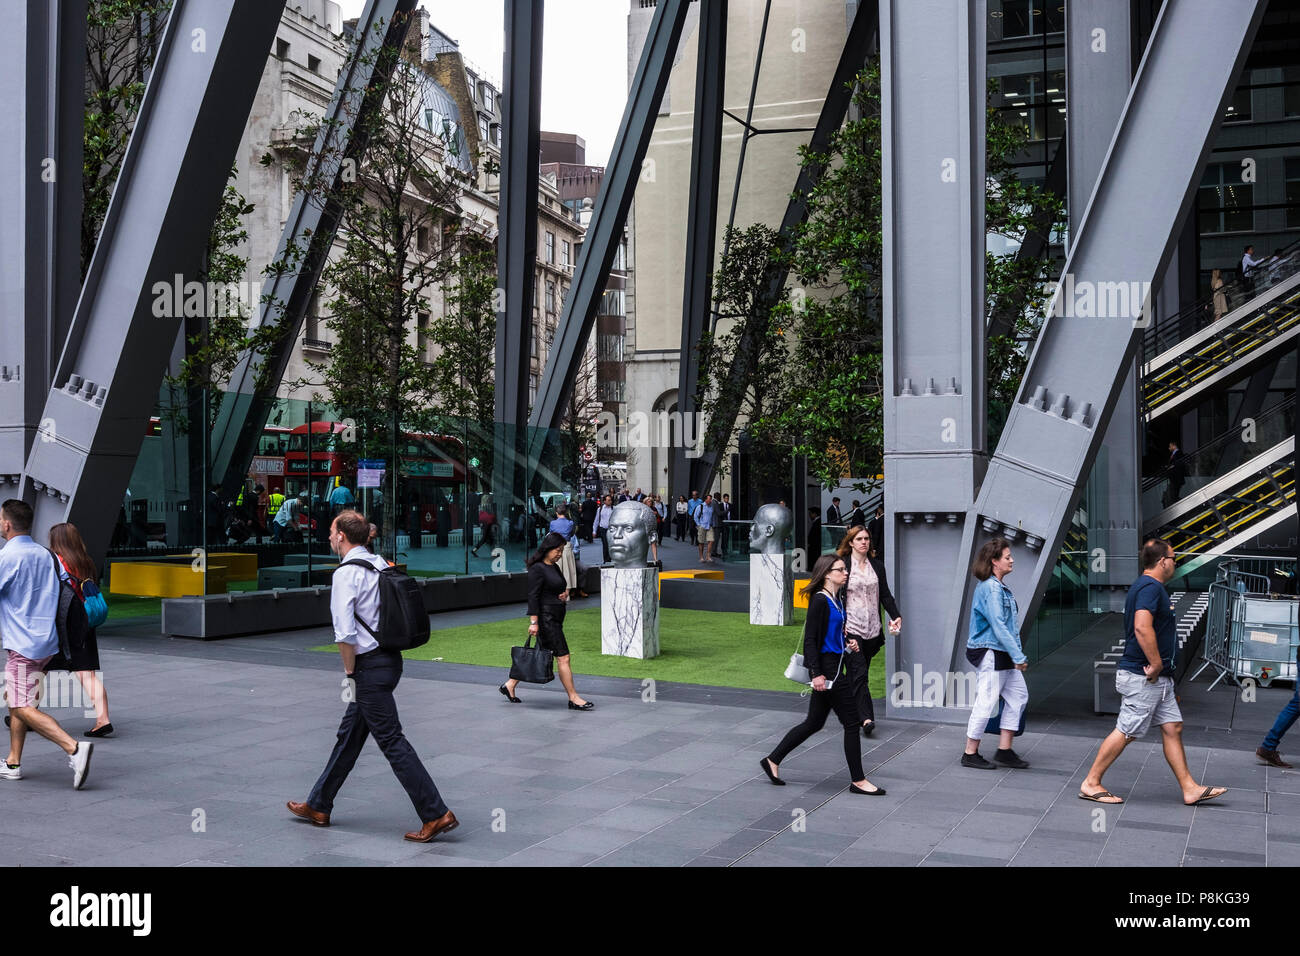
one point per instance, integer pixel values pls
(770, 775)
(878, 792)
(868, 727)
(506, 694)
(105, 731)
(587, 706)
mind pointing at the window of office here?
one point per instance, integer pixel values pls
(609, 348)
(483, 128)
(550, 296)
(1027, 18)
(1238, 109)
(1291, 92)
(487, 98)
(1224, 202)
(282, 49)
(611, 303)
(313, 63)
(1032, 100)
(550, 248)
(1293, 192)
(532, 388)
(532, 339)
(422, 335)
(566, 251)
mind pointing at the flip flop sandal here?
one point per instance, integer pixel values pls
(1208, 794)
(1097, 798)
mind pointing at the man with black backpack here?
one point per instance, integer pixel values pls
(377, 612)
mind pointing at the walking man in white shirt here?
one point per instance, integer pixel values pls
(374, 673)
(29, 607)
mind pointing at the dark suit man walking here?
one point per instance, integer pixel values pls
(374, 673)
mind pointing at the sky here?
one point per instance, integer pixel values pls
(584, 59)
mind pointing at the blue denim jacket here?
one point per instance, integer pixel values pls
(993, 616)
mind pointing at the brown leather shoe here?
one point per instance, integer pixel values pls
(307, 813)
(1272, 758)
(431, 829)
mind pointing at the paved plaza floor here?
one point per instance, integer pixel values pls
(215, 737)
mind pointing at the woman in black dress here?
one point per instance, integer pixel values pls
(83, 660)
(547, 596)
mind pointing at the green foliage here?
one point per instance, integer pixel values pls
(121, 45)
(400, 228)
(827, 402)
(466, 338)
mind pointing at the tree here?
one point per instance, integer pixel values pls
(121, 45)
(576, 428)
(829, 403)
(399, 229)
(751, 258)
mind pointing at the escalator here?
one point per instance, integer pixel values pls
(1188, 355)
(1230, 508)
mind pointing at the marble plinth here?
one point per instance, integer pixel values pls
(629, 612)
(771, 589)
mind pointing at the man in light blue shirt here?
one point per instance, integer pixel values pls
(29, 607)
(704, 528)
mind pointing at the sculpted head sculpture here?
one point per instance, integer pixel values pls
(768, 532)
(632, 527)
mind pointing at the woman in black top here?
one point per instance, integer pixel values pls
(547, 595)
(824, 650)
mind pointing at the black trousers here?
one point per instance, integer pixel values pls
(375, 712)
(839, 699)
(604, 543)
(859, 666)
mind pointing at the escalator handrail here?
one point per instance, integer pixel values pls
(1151, 345)
(1279, 408)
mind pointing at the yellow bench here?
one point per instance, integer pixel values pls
(239, 565)
(710, 575)
(157, 579)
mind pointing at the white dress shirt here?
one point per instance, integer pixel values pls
(356, 589)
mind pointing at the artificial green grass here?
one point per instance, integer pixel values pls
(716, 648)
(129, 605)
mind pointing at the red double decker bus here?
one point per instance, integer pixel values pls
(430, 472)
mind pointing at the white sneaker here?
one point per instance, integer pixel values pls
(10, 773)
(80, 763)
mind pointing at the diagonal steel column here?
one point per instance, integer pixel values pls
(1098, 76)
(857, 46)
(932, 138)
(44, 52)
(701, 218)
(610, 213)
(1075, 374)
(517, 243)
(193, 113)
(305, 243)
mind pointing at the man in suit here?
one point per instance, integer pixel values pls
(833, 515)
(877, 531)
(371, 674)
(589, 509)
(856, 516)
(813, 543)
(719, 515)
(1177, 467)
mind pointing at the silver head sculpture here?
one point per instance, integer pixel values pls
(768, 532)
(632, 528)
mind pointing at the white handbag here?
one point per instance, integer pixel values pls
(796, 671)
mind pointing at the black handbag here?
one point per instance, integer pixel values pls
(530, 664)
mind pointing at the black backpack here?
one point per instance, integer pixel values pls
(403, 622)
(71, 621)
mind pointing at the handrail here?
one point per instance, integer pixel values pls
(1224, 438)
(1164, 333)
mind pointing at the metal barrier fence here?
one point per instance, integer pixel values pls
(1251, 632)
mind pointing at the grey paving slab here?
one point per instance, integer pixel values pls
(236, 728)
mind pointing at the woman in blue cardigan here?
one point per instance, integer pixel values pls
(994, 648)
(824, 648)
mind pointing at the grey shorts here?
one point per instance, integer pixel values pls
(1145, 703)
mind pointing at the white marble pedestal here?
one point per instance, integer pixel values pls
(629, 612)
(771, 589)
